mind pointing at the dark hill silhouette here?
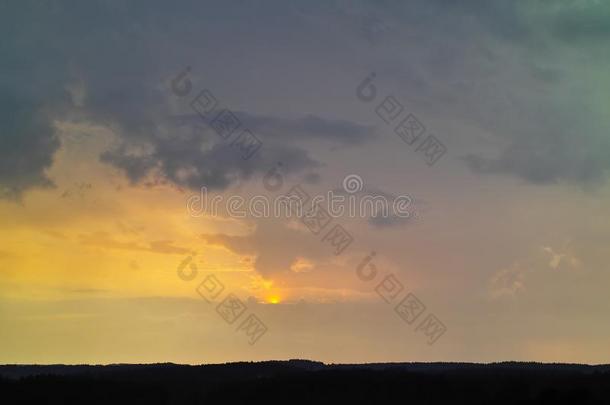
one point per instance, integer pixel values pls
(303, 381)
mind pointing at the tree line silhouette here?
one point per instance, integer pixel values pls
(302, 381)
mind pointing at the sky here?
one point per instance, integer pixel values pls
(103, 150)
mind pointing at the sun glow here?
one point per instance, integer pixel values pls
(273, 299)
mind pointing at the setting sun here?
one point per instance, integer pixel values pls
(274, 299)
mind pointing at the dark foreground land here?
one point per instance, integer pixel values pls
(306, 382)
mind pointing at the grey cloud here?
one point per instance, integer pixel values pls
(504, 67)
(490, 63)
(123, 60)
(555, 148)
(189, 162)
(377, 219)
(135, 166)
(391, 220)
(539, 168)
(27, 146)
(303, 128)
(311, 127)
(312, 178)
(275, 245)
(582, 21)
(529, 93)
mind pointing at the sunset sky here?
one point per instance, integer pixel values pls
(508, 247)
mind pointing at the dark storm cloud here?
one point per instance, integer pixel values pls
(186, 161)
(135, 166)
(114, 49)
(31, 94)
(458, 59)
(123, 54)
(27, 145)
